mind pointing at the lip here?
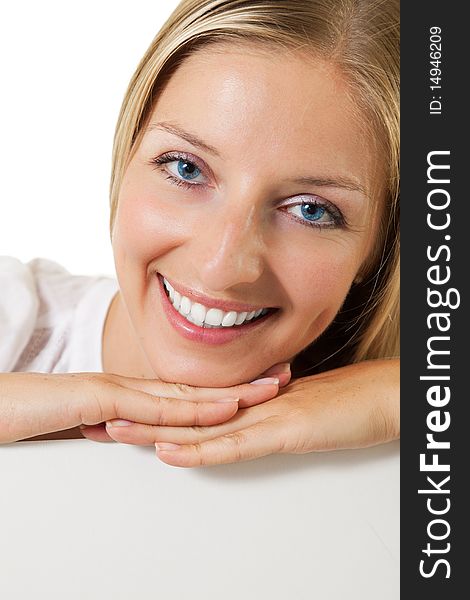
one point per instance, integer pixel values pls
(210, 336)
(213, 302)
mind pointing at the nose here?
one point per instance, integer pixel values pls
(230, 250)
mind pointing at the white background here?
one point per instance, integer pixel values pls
(65, 67)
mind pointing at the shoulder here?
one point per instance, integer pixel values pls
(19, 304)
(37, 303)
(28, 289)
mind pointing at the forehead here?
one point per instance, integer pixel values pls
(251, 101)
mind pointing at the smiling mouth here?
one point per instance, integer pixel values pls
(211, 317)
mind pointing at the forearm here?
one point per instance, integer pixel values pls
(387, 414)
(375, 395)
(36, 404)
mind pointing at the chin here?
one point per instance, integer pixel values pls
(203, 377)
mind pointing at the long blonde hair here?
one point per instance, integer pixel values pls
(362, 38)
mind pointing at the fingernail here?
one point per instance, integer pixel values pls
(166, 446)
(227, 400)
(265, 380)
(118, 423)
(284, 378)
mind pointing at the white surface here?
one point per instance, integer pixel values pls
(84, 520)
(65, 68)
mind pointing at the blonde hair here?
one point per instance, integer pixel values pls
(362, 38)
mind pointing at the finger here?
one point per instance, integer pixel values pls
(280, 370)
(146, 435)
(250, 394)
(96, 433)
(153, 410)
(260, 439)
(284, 378)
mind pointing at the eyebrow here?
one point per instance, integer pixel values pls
(336, 182)
(185, 135)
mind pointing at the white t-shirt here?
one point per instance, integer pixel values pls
(51, 321)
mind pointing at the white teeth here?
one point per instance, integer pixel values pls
(214, 316)
(185, 306)
(208, 317)
(229, 319)
(241, 317)
(191, 320)
(198, 313)
(176, 299)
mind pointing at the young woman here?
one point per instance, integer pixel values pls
(254, 223)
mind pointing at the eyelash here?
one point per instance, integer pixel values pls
(170, 157)
(338, 219)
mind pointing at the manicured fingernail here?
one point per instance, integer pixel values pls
(284, 378)
(118, 423)
(227, 400)
(266, 380)
(166, 446)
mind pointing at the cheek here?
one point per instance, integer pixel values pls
(319, 282)
(144, 230)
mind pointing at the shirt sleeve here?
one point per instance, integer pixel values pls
(19, 305)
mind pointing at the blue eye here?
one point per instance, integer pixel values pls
(187, 169)
(312, 212)
(317, 214)
(191, 170)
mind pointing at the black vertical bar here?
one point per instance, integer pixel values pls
(434, 120)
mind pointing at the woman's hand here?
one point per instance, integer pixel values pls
(34, 404)
(248, 393)
(351, 407)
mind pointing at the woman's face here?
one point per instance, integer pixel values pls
(254, 187)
